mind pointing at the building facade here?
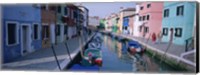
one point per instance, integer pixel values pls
(128, 15)
(48, 18)
(151, 17)
(137, 23)
(21, 30)
(180, 17)
(94, 21)
(114, 22)
(85, 15)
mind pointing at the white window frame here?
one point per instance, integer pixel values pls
(38, 31)
(17, 33)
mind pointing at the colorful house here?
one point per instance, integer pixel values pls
(114, 22)
(151, 17)
(128, 15)
(21, 30)
(48, 14)
(60, 24)
(67, 21)
(85, 15)
(178, 16)
(137, 23)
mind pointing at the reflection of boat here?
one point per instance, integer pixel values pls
(92, 56)
(134, 47)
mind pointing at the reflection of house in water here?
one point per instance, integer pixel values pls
(119, 49)
(22, 30)
(124, 47)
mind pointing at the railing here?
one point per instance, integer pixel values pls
(189, 44)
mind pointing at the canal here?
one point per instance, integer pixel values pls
(116, 58)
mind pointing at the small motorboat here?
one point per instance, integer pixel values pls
(92, 56)
(134, 47)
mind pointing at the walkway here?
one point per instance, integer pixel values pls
(44, 59)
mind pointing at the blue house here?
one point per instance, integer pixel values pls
(125, 24)
(21, 30)
(178, 16)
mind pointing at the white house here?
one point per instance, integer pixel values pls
(137, 23)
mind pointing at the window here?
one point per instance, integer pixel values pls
(143, 18)
(140, 18)
(166, 13)
(45, 32)
(141, 8)
(66, 11)
(146, 29)
(36, 31)
(12, 33)
(180, 10)
(147, 17)
(125, 27)
(65, 29)
(74, 14)
(59, 9)
(43, 7)
(165, 31)
(148, 5)
(58, 30)
(178, 32)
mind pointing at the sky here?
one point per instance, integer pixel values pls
(103, 9)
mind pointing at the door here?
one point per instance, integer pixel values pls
(25, 39)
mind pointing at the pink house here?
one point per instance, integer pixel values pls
(150, 14)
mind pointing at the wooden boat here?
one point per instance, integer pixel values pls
(134, 47)
(92, 56)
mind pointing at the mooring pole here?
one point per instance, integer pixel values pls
(66, 45)
(55, 57)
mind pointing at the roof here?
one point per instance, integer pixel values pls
(129, 9)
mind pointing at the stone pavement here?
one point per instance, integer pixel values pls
(44, 59)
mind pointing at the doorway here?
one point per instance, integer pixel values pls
(25, 39)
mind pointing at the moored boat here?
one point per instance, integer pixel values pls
(92, 56)
(134, 47)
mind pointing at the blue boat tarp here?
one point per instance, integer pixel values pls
(134, 43)
(78, 67)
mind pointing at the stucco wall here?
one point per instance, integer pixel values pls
(20, 14)
(186, 22)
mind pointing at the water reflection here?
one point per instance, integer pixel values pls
(117, 58)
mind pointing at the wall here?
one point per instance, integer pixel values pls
(186, 22)
(155, 21)
(21, 14)
(137, 23)
(94, 21)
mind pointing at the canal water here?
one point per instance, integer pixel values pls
(117, 59)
